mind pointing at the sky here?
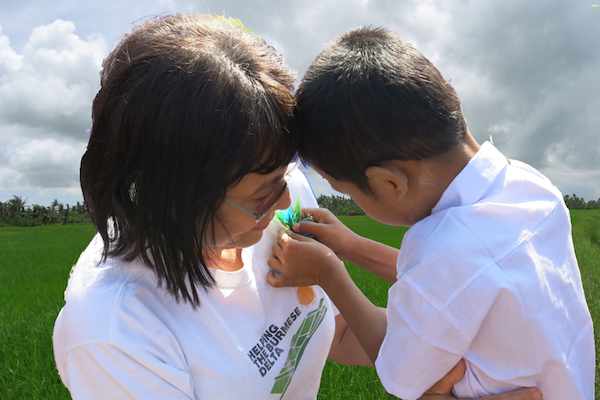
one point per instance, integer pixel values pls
(527, 72)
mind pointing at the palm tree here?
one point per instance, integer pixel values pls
(16, 209)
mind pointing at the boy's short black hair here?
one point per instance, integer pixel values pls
(369, 97)
(188, 105)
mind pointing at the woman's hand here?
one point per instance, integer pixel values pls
(442, 389)
(302, 262)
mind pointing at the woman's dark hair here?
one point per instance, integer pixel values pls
(188, 105)
(370, 97)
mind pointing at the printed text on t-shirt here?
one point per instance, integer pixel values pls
(265, 352)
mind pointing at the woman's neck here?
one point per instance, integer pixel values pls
(227, 259)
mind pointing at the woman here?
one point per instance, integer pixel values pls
(186, 164)
(185, 167)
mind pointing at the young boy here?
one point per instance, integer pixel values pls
(487, 270)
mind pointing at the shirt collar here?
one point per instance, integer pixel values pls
(233, 279)
(474, 180)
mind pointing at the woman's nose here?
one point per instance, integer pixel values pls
(285, 200)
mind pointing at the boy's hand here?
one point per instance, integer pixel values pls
(442, 389)
(374, 257)
(519, 394)
(302, 262)
(328, 230)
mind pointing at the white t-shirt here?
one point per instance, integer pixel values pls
(490, 276)
(119, 337)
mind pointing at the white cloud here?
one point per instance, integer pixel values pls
(527, 71)
(9, 60)
(52, 83)
(40, 163)
(46, 94)
(575, 181)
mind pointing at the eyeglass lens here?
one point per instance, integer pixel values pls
(270, 201)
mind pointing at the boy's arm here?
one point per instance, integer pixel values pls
(345, 347)
(304, 262)
(374, 257)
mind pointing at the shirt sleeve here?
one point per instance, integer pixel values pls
(420, 345)
(299, 185)
(115, 371)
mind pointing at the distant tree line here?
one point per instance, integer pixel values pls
(339, 205)
(577, 203)
(16, 212)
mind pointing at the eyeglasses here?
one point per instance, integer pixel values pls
(272, 200)
(267, 205)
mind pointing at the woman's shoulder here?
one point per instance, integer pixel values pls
(100, 293)
(300, 187)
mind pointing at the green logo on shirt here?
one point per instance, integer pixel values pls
(297, 346)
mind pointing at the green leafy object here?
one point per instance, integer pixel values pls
(231, 22)
(291, 215)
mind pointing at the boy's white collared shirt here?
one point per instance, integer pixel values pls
(490, 276)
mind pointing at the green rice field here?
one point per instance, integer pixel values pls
(34, 268)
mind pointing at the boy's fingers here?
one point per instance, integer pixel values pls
(455, 375)
(314, 228)
(521, 394)
(444, 385)
(306, 227)
(286, 236)
(305, 212)
(442, 389)
(321, 215)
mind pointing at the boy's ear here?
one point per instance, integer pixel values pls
(388, 179)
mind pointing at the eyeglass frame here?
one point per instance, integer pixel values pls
(258, 217)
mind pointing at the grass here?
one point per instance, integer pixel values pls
(34, 267)
(351, 382)
(35, 264)
(586, 238)
(373, 287)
